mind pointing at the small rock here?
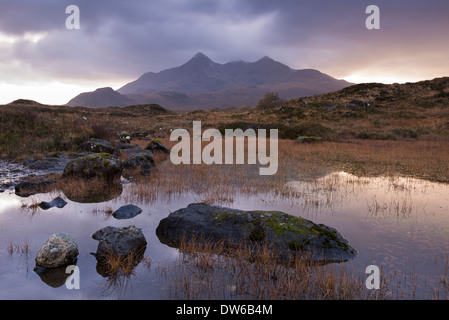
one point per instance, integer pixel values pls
(57, 202)
(99, 146)
(60, 249)
(157, 146)
(121, 241)
(127, 212)
(144, 160)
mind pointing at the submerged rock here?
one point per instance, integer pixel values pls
(60, 249)
(289, 236)
(102, 165)
(57, 202)
(127, 212)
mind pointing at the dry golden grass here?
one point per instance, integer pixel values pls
(297, 162)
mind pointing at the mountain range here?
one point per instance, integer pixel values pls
(202, 83)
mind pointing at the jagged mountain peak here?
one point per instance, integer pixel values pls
(200, 59)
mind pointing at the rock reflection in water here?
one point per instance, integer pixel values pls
(53, 277)
(96, 193)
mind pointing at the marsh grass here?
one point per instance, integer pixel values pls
(19, 248)
(213, 271)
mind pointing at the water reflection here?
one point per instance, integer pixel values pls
(94, 194)
(54, 277)
(400, 224)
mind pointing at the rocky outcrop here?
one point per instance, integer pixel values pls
(60, 249)
(289, 236)
(101, 165)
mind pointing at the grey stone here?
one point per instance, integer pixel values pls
(99, 146)
(127, 212)
(157, 146)
(60, 249)
(144, 160)
(120, 241)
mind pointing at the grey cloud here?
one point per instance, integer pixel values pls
(123, 39)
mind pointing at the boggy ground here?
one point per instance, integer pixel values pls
(366, 129)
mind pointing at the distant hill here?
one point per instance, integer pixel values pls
(100, 98)
(202, 83)
(25, 102)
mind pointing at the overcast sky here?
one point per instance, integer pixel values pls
(41, 59)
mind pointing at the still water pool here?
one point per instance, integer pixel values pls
(398, 224)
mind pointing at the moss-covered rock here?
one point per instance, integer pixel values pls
(288, 235)
(102, 165)
(157, 146)
(143, 160)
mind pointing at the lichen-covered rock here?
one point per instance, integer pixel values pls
(99, 146)
(102, 165)
(60, 249)
(288, 235)
(308, 139)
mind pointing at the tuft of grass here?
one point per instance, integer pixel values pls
(19, 248)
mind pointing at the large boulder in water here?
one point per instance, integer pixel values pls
(101, 165)
(289, 236)
(60, 249)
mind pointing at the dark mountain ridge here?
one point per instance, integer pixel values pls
(201, 83)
